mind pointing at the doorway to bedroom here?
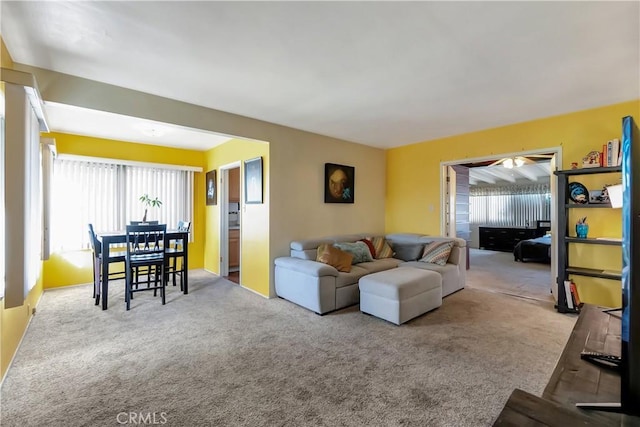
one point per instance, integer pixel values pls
(503, 205)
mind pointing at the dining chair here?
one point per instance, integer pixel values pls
(144, 271)
(145, 248)
(96, 249)
(175, 250)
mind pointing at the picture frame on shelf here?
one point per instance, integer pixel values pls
(253, 181)
(211, 188)
(599, 196)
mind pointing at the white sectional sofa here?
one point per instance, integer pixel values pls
(321, 288)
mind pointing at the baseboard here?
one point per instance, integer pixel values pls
(257, 293)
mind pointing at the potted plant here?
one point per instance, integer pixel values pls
(149, 202)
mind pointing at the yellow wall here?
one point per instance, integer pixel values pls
(74, 267)
(14, 322)
(413, 176)
(254, 230)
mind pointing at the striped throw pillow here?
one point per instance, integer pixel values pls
(437, 252)
(383, 250)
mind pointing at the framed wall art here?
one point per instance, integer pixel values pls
(339, 183)
(253, 181)
(212, 189)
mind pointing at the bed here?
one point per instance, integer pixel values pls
(535, 250)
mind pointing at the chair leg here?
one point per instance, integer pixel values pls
(97, 279)
(174, 269)
(127, 287)
(163, 287)
(155, 280)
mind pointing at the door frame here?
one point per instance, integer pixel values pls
(223, 192)
(446, 190)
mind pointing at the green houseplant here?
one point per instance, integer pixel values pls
(149, 202)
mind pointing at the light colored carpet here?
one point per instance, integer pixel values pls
(498, 272)
(223, 356)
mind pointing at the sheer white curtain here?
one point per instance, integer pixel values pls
(510, 206)
(107, 196)
(83, 193)
(173, 187)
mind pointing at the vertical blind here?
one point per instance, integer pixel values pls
(107, 196)
(510, 206)
(33, 200)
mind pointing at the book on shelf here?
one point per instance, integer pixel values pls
(612, 153)
(619, 162)
(574, 295)
(567, 294)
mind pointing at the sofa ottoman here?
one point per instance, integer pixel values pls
(400, 294)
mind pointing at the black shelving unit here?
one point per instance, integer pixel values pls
(564, 268)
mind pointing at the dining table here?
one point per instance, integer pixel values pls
(119, 238)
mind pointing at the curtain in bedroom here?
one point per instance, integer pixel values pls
(509, 206)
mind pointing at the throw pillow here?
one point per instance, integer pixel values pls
(437, 252)
(359, 250)
(370, 246)
(334, 257)
(382, 248)
(408, 251)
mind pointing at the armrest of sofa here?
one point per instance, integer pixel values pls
(312, 268)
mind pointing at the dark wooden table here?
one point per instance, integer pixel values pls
(526, 410)
(120, 238)
(575, 380)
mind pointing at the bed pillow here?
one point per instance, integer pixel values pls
(359, 250)
(381, 246)
(437, 252)
(341, 260)
(408, 251)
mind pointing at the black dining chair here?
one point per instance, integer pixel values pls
(145, 248)
(143, 271)
(96, 249)
(175, 251)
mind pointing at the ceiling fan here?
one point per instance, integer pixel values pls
(517, 161)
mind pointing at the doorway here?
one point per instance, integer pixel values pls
(230, 222)
(452, 203)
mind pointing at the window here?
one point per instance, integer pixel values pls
(511, 206)
(107, 196)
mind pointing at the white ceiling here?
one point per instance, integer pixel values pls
(383, 74)
(499, 175)
(82, 121)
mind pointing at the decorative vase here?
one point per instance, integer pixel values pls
(144, 218)
(582, 230)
